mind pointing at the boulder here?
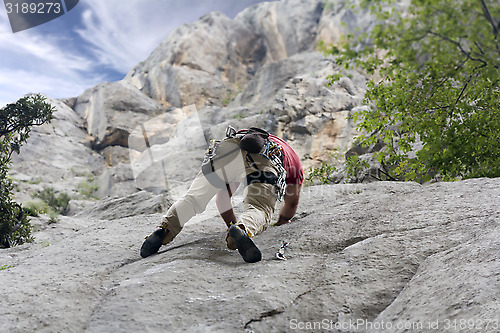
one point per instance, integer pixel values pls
(111, 110)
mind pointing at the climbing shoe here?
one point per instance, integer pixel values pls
(162, 236)
(246, 247)
(152, 243)
(230, 242)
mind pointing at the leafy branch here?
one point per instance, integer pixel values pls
(437, 90)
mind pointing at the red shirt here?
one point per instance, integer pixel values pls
(292, 164)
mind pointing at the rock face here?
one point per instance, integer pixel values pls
(111, 110)
(56, 155)
(258, 69)
(203, 62)
(261, 68)
(361, 257)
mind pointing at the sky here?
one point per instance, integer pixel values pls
(96, 41)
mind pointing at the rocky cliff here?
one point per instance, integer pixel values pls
(260, 68)
(360, 255)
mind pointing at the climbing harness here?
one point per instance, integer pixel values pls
(207, 166)
(271, 151)
(274, 153)
(230, 132)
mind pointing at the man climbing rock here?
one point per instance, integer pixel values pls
(269, 169)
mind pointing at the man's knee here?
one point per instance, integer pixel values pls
(255, 219)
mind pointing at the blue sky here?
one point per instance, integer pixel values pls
(97, 41)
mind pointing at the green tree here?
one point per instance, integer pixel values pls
(16, 120)
(435, 69)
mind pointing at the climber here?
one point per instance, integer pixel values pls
(269, 169)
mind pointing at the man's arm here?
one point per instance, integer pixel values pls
(290, 203)
(223, 202)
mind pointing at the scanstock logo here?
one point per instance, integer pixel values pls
(26, 14)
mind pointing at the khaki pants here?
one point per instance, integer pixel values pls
(259, 199)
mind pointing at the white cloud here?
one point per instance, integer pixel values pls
(114, 35)
(35, 63)
(124, 33)
(4, 23)
(17, 83)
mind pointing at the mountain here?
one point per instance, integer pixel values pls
(261, 68)
(363, 257)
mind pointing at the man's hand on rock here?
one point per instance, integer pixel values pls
(282, 221)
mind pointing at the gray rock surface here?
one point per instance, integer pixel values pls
(372, 254)
(56, 155)
(204, 62)
(397, 253)
(139, 203)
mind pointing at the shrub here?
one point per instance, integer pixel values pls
(355, 169)
(35, 208)
(59, 203)
(16, 120)
(87, 187)
(15, 228)
(324, 174)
